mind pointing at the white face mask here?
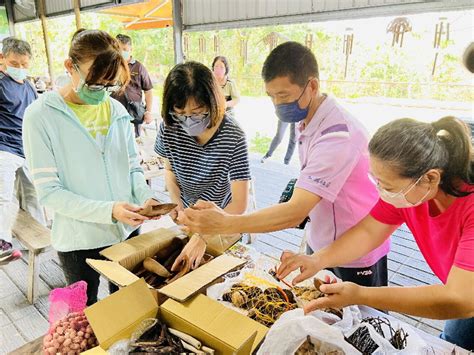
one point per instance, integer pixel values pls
(398, 199)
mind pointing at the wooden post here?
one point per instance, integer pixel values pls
(77, 13)
(11, 24)
(44, 25)
(178, 31)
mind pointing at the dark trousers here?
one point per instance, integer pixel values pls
(460, 332)
(372, 276)
(375, 275)
(282, 126)
(76, 269)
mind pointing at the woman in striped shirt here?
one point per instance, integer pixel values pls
(205, 150)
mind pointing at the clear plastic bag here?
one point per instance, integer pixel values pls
(292, 329)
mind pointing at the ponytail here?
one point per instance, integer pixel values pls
(413, 148)
(456, 138)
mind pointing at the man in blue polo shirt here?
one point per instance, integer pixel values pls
(16, 93)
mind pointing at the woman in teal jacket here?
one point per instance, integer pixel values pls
(80, 148)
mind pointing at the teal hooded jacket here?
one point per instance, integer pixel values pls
(78, 180)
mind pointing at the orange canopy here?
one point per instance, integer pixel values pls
(144, 15)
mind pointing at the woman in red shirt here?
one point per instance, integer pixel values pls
(424, 173)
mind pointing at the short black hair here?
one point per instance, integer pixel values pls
(224, 61)
(291, 59)
(192, 80)
(124, 39)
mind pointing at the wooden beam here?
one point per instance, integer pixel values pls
(11, 23)
(44, 25)
(77, 13)
(178, 31)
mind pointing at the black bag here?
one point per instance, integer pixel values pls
(286, 196)
(136, 110)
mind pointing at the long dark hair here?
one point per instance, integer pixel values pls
(104, 50)
(412, 148)
(192, 80)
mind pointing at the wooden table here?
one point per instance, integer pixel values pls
(146, 149)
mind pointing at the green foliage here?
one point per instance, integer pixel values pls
(260, 143)
(3, 23)
(380, 70)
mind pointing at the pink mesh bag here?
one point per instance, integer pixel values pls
(63, 301)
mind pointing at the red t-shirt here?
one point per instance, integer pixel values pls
(445, 239)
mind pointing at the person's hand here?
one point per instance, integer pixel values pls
(174, 213)
(148, 117)
(204, 218)
(127, 213)
(339, 295)
(151, 202)
(308, 266)
(193, 250)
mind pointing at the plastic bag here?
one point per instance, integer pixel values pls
(291, 330)
(414, 343)
(69, 331)
(70, 299)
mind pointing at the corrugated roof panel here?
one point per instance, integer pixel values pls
(214, 14)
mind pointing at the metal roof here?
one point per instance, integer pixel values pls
(221, 14)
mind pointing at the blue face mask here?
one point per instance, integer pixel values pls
(18, 74)
(193, 125)
(126, 55)
(291, 112)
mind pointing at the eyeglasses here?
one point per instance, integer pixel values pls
(99, 87)
(182, 118)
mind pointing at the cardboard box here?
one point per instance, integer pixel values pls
(216, 326)
(124, 258)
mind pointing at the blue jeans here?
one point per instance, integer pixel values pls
(459, 332)
(282, 126)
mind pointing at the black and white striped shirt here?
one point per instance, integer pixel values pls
(205, 171)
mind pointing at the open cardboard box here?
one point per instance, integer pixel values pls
(124, 258)
(216, 326)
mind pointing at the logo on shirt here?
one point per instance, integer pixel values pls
(364, 273)
(320, 181)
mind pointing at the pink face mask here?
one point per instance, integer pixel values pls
(218, 71)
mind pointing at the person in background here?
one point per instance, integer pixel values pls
(281, 129)
(333, 187)
(220, 68)
(205, 150)
(140, 86)
(81, 147)
(16, 93)
(424, 173)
